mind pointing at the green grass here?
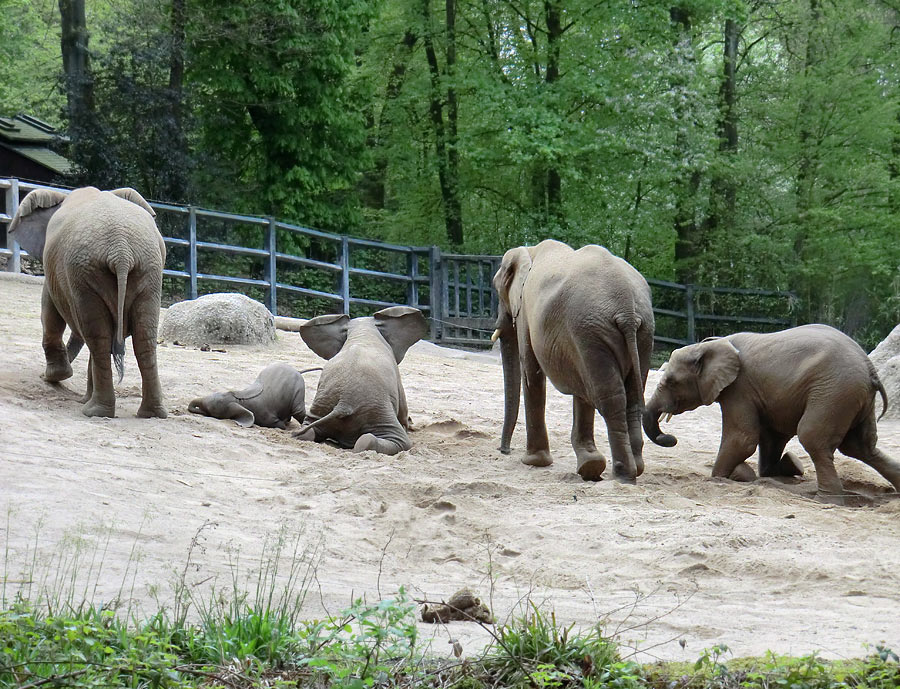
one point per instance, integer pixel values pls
(250, 634)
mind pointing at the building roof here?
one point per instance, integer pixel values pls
(30, 138)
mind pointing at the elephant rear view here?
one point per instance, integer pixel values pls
(584, 319)
(103, 258)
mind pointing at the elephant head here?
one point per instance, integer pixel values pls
(509, 282)
(223, 405)
(399, 326)
(29, 225)
(694, 375)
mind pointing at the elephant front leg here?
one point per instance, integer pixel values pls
(740, 438)
(590, 462)
(58, 366)
(537, 443)
(103, 396)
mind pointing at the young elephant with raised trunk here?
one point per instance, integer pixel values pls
(103, 260)
(277, 395)
(360, 402)
(811, 381)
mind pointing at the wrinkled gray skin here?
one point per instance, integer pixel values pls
(103, 259)
(812, 381)
(584, 320)
(277, 395)
(360, 402)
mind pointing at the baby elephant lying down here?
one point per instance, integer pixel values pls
(277, 394)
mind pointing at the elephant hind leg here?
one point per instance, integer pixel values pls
(144, 321)
(396, 442)
(860, 442)
(591, 462)
(58, 366)
(820, 434)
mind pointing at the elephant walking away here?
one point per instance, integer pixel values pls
(811, 381)
(584, 320)
(360, 402)
(103, 259)
(277, 395)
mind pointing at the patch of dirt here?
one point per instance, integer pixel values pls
(755, 566)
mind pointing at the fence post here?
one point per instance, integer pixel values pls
(192, 249)
(412, 269)
(12, 205)
(345, 273)
(272, 267)
(689, 310)
(436, 293)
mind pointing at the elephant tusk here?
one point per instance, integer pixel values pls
(667, 417)
(496, 335)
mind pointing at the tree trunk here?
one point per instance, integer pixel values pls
(687, 230)
(445, 134)
(808, 147)
(76, 59)
(177, 178)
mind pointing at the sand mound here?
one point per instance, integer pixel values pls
(677, 557)
(886, 357)
(226, 318)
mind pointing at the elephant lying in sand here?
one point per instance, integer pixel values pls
(360, 402)
(812, 381)
(584, 320)
(103, 259)
(277, 395)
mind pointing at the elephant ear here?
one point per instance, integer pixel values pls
(29, 225)
(401, 327)
(240, 414)
(718, 363)
(255, 390)
(510, 277)
(325, 335)
(130, 194)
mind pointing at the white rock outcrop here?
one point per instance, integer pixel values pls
(224, 318)
(886, 357)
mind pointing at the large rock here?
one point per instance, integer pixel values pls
(886, 357)
(218, 319)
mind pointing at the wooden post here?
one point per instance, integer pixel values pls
(272, 268)
(12, 205)
(345, 274)
(192, 250)
(436, 291)
(412, 270)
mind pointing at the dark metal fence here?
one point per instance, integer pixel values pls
(296, 270)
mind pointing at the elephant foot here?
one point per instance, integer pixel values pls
(743, 473)
(306, 434)
(93, 408)
(367, 441)
(789, 465)
(846, 499)
(541, 458)
(151, 411)
(55, 373)
(591, 466)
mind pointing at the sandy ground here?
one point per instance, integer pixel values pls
(679, 557)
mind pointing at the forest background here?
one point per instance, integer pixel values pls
(741, 143)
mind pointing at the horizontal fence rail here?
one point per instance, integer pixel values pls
(297, 270)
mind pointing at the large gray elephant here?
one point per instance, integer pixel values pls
(811, 381)
(360, 402)
(584, 319)
(277, 395)
(103, 258)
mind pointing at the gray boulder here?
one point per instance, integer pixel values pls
(226, 318)
(886, 357)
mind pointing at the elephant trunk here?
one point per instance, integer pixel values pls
(650, 419)
(197, 407)
(512, 386)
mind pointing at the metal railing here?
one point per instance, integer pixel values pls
(350, 274)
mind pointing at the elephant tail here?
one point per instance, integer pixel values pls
(121, 270)
(341, 411)
(310, 370)
(884, 400)
(628, 325)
